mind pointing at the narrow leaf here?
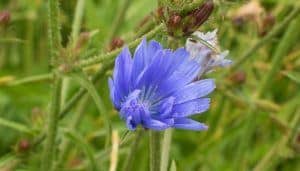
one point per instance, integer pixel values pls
(88, 85)
(15, 126)
(78, 140)
(294, 76)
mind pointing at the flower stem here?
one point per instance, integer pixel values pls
(155, 147)
(134, 146)
(54, 44)
(49, 147)
(165, 154)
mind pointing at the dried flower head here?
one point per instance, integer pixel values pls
(204, 49)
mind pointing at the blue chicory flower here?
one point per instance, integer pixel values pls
(155, 89)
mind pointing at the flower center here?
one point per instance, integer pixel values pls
(134, 111)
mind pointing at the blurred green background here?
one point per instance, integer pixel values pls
(246, 132)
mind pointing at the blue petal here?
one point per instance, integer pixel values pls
(191, 107)
(155, 124)
(185, 123)
(185, 73)
(116, 100)
(165, 107)
(175, 59)
(121, 76)
(139, 60)
(156, 71)
(153, 48)
(194, 90)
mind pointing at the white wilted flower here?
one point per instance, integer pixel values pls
(204, 48)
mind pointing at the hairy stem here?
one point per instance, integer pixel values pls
(51, 131)
(54, 43)
(110, 55)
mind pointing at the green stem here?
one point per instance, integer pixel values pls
(49, 147)
(134, 146)
(74, 99)
(110, 55)
(54, 42)
(31, 79)
(289, 39)
(54, 29)
(66, 145)
(155, 150)
(77, 20)
(238, 63)
(166, 145)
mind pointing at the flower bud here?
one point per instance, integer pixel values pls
(198, 17)
(267, 24)
(4, 18)
(184, 25)
(23, 146)
(238, 77)
(116, 43)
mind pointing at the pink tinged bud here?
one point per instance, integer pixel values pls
(24, 145)
(238, 77)
(4, 18)
(116, 43)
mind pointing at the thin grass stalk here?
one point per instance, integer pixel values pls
(74, 124)
(238, 63)
(133, 148)
(77, 21)
(286, 43)
(118, 20)
(166, 146)
(155, 150)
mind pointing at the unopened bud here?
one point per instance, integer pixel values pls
(267, 24)
(174, 20)
(238, 77)
(116, 43)
(4, 18)
(198, 17)
(23, 145)
(160, 12)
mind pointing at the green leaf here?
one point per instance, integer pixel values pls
(78, 140)
(294, 76)
(82, 79)
(15, 126)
